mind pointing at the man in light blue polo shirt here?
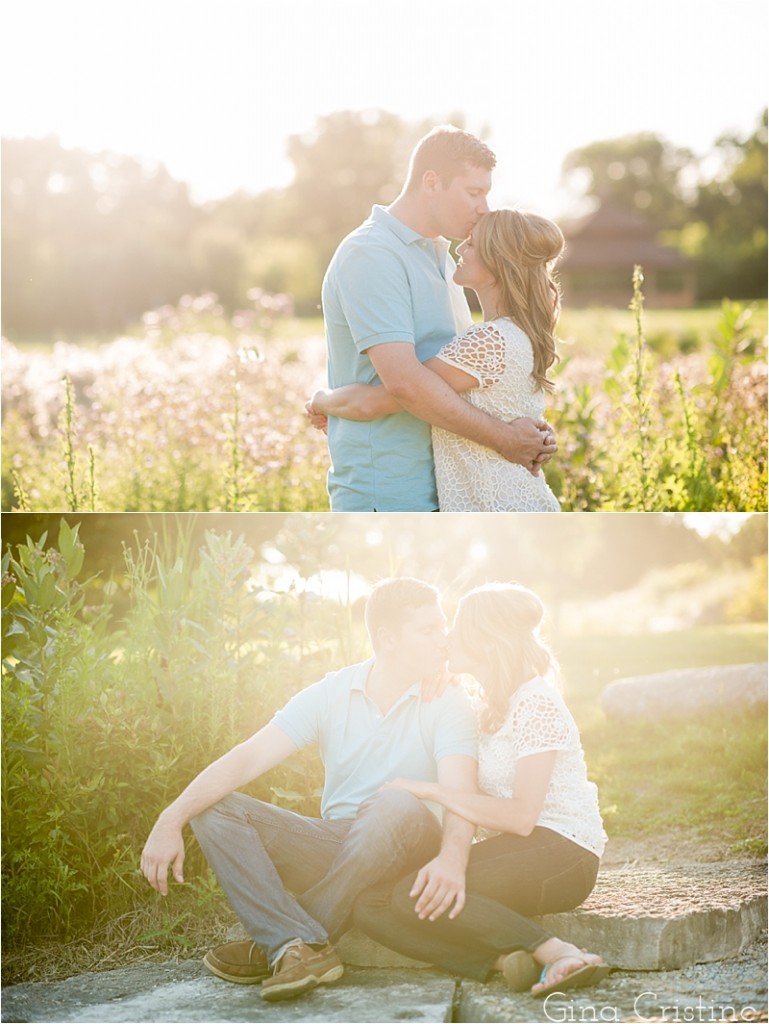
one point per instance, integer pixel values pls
(293, 880)
(389, 304)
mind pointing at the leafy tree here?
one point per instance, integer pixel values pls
(351, 160)
(721, 221)
(89, 240)
(732, 207)
(639, 172)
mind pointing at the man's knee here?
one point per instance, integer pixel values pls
(395, 811)
(397, 803)
(220, 814)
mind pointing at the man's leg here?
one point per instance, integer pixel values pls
(257, 852)
(392, 833)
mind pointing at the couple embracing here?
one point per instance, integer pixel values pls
(446, 824)
(426, 410)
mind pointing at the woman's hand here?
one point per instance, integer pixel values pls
(317, 419)
(421, 790)
(433, 686)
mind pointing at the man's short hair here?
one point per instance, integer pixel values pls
(391, 600)
(448, 151)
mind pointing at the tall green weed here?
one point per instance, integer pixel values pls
(651, 436)
(105, 720)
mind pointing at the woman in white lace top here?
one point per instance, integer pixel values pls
(539, 825)
(500, 365)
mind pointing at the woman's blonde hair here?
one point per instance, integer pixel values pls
(498, 626)
(519, 249)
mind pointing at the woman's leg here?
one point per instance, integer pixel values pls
(508, 877)
(468, 945)
(542, 873)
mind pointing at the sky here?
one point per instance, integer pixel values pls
(213, 88)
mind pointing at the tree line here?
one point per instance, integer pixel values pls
(584, 559)
(90, 241)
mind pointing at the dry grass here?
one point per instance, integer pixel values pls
(119, 942)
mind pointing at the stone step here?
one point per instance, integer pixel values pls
(186, 991)
(151, 993)
(647, 919)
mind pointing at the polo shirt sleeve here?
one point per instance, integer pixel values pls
(455, 726)
(301, 718)
(373, 291)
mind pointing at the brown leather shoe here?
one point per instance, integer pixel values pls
(300, 969)
(242, 962)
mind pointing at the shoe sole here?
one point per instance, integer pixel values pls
(237, 979)
(292, 989)
(592, 974)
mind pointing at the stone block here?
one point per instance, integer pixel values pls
(663, 919)
(682, 693)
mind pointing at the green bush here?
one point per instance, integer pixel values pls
(105, 722)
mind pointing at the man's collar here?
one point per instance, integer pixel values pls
(402, 231)
(361, 677)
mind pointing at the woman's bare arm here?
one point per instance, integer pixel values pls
(518, 813)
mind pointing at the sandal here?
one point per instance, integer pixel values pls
(520, 970)
(589, 974)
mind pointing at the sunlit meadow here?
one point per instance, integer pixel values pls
(196, 410)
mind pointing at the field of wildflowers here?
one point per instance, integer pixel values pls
(197, 411)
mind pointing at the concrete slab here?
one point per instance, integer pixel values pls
(733, 990)
(187, 992)
(659, 919)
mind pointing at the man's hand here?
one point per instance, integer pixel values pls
(439, 887)
(530, 443)
(164, 848)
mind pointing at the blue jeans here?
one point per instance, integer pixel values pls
(510, 878)
(291, 877)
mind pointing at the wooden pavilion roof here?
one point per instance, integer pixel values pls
(613, 236)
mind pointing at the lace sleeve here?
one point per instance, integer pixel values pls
(540, 724)
(480, 351)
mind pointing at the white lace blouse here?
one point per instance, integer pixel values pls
(470, 477)
(538, 720)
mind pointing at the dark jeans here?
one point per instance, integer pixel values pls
(509, 879)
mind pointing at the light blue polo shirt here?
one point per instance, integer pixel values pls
(361, 748)
(385, 283)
